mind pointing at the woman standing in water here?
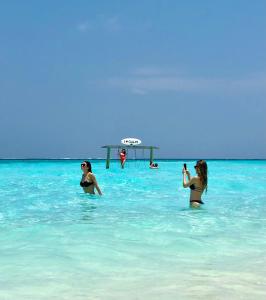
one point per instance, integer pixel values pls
(196, 184)
(123, 157)
(88, 181)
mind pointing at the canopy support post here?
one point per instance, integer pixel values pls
(108, 158)
(151, 155)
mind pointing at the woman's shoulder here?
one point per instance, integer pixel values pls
(194, 179)
(90, 175)
(198, 181)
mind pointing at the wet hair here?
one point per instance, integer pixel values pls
(123, 151)
(88, 164)
(203, 173)
(156, 165)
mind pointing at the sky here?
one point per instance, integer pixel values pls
(187, 76)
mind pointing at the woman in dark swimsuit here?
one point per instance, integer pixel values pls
(88, 181)
(196, 184)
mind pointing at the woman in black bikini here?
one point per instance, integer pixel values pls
(88, 180)
(196, 184)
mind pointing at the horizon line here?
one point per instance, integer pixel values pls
(130, 159)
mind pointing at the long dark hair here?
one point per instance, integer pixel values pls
(203, 173)
(88, 164)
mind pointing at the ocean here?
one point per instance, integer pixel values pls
(140, 240)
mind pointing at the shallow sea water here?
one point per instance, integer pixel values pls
(140, 240)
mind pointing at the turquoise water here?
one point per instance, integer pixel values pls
(140, 240)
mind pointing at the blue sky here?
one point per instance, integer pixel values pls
(187, 76)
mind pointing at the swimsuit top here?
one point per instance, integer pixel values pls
(122, 155)
(85, 183)
(194, 188)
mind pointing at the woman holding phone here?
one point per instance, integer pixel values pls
(196, 184)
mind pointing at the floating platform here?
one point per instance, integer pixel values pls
(135, 147)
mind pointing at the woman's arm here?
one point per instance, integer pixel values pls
(96, 184)
(98, 189)
(186, 175)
